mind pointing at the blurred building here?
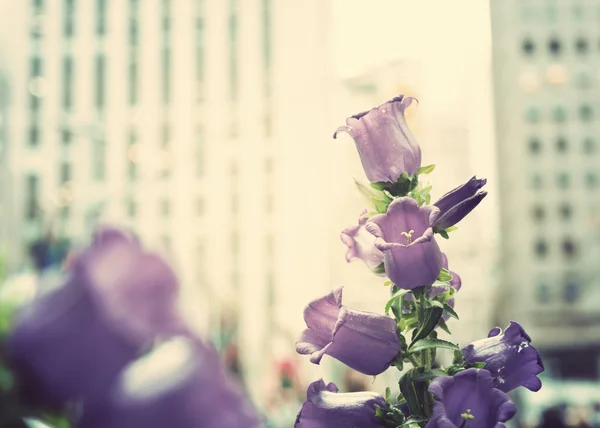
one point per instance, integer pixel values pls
(199, 123)
(547, 99)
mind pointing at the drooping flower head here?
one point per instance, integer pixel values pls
(469, 398)
(326, 408)
(412, 257)
(364, 341)
(509, 357)
(385, 145)
(361, 244)
(459, 202)
(179, 384)
(71, 342)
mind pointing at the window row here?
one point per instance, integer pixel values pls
(568, 292)
(562, 145)
(564, 180)
(560, 114)
(567, 248)
(540, 213)
(555, 46)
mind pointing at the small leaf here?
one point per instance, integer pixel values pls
(379, 412)
(478, 365)
(388, 283)
(444, 275)
(380, 206)
(459, 358)
(394, 298)
(444, 234)
(429, 374)
(432, 316)
(431, 344)
(426, 169)
(442, 324)
(451, 229)
(379, 269)
(450, 311)
(388, 394)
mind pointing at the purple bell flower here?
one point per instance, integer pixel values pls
(179, 384)
(385, 145)
(364, 341)
(325, 408)
(469, 398)
(509, 357)
(457, 203)
(361, 244)
(71, 342)
(412, 257)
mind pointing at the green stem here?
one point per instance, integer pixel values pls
(414, 361)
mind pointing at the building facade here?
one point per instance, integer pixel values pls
(190, 122)
(547, 103)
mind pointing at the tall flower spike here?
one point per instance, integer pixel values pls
(412, 257)
(469, 399)
(326, 408)
(71, 343)
(361, 244)
(459, 202)
(509, 357)
(385, 145)
(364, 341)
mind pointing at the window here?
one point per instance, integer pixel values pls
(561, 144)
(528, 47)
(65, 173)
(267, 27)
(565, 211)
(541, 248)
(166, 17)
(559, 114)
(233, 45)
(571, 291)
(69, 17)
(569, 248)
(98, 160)
(589, 146)
(564, 180)
(585, 112)
(99, 90)
(31, 196)
(535, 146)
(67, 95)
(100, 17)
(542, 293)
(131, 208)
(38, 6)
(133, 22)
(538, 213)
(554, 46)
(165, 208)
(65, 137)
(532, 114)
(34, 135)
(133, 81)
(591, 179)
(200, 56)
(581, 45)
(166, 75)
(166, 150)
(536, 181)
(132, 156)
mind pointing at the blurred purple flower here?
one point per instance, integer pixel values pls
(385, 145)
(457, 203)
(71, 343)
(179, 384)
(325, 408)
(364, 341)
(469, 395)
(509, 357)
(361, 244)
(412, 257)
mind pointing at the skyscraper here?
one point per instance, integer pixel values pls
(546, 57)
(191, 122)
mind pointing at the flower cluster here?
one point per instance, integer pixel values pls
(398, 240)
(108, 348)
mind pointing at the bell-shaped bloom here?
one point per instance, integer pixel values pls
(182, 384)
(509, 357)
(411, 256)
(385, 145)
(457, 203)
(326, 408)
(71, 342)
(361, 244)
(469, 395)
(364, 341)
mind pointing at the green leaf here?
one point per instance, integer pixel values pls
(431, 344)
(394, 298)
(388, 283)
(429, 374)
(450, 311)
(443, 234)
(379, 269)
(413, 391)
(459, 358)
(479, 365)
(380, 206)
(426, 169)
(388, 394)
(379, 412)
(368, 191)
(451, 229)
(432, 316)
(442, 324)
(444, 276)
(381, 185)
